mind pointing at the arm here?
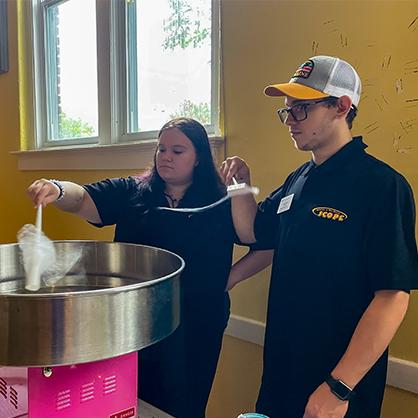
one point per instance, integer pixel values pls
(244, 207)
(252, 263)
(371, 337)
(75, 200)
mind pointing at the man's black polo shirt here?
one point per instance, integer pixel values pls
(347, 232)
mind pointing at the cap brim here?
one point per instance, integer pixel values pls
(298, 91)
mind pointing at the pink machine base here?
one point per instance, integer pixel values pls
(101, 389)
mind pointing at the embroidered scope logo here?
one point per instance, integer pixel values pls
(329, 213)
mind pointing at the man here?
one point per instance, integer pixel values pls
(343, 230)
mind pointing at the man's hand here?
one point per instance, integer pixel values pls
(324, 404)
(244, 207)
(235, 167)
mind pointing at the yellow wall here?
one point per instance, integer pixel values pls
(16, 209)
(263, 43)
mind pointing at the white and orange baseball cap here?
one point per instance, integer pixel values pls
(320, 76)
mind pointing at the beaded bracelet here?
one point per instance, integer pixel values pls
(61, 187)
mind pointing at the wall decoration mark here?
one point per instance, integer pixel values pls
(407, 125)
(368, 82)
(412, 103)
(328, 23)
(411, 67)
(396, 139)
(398, 84)
(372, 127)
(404, 150)
(413, 26)
(386, 61)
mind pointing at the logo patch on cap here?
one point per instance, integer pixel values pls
(304, 70)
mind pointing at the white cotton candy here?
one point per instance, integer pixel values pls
(42, 261)
(38, 254)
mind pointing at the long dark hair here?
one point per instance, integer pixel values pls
(207, 186)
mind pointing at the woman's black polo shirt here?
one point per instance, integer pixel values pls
(204, 239)
(347, 232)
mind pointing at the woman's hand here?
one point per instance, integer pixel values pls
(74, 198)
(42, 192)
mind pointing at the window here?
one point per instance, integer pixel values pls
(105, 84)
(70, 62)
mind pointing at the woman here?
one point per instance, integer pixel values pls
(175, 374)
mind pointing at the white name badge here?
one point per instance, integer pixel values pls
(285, 203)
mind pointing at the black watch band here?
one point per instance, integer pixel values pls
(339, 389)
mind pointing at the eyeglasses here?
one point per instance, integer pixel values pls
(298, 111)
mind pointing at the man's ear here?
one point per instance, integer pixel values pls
(343, 107)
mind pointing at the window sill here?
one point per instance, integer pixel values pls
(134, 156)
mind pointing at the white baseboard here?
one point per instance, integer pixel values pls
(246, 329)
(402, 374)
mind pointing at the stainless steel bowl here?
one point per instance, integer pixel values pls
(128, 299)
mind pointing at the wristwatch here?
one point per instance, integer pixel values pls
(339, 389)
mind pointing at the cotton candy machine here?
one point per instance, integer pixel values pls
(70, 350)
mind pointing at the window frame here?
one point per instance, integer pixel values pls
(65, 154)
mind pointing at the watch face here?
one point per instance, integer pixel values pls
(341, 390)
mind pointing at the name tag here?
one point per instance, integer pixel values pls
(285, 204)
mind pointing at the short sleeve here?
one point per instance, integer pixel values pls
(389, 246)
(267, 222)
(111, 197)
